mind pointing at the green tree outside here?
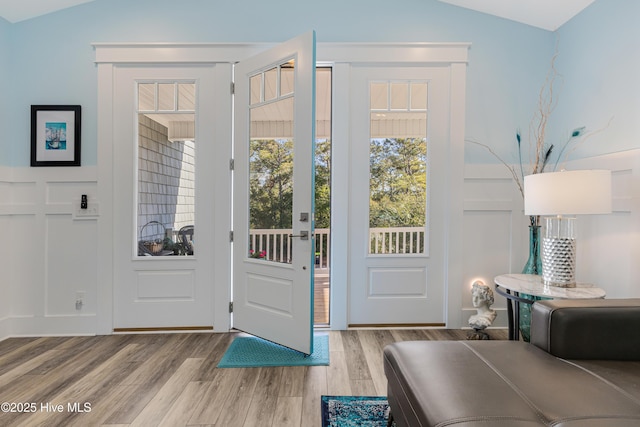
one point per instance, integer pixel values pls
(398, 182)
(271, 183)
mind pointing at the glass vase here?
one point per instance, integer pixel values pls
(534, 263)
(533, 266)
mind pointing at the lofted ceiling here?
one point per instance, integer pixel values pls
(20, 10)
(546, 14)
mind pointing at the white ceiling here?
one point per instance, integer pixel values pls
(19, 10)
(546, 14)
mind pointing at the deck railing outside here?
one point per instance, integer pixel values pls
(391, 240)
(396, 240)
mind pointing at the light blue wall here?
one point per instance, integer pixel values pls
(508, 61)
(600, 62)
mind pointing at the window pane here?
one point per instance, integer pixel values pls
(271, 181)
(186, 97)
(166, 97)
(271, 165)
(271, 84)
(147, 96)
(398, 179)
(287, 78)
(418, 96)
(399, 96)
(255, 88)
(166, 171)
(379, 96)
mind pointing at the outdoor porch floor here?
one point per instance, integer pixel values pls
(321, 299)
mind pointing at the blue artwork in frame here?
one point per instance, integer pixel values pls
(55, 135)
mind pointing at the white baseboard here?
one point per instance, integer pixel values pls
(5, 328)
(29, 326)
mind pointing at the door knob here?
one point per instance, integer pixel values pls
(304, 235)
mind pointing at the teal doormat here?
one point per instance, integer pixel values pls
(345, 411)
(254, 352)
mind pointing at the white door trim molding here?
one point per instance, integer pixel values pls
(104, 311)
(162, 53)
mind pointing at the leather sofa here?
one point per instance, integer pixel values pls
(581, 368)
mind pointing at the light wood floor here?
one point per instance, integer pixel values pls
(172, 380)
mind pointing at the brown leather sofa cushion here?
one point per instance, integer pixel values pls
(502, 383)
(588, 329)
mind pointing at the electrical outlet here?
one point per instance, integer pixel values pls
(79, 300)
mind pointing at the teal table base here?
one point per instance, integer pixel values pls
(525, 316)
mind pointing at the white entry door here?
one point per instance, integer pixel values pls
(273, 194)
(399, 146)
(164, 158)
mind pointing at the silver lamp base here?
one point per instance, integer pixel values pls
(559, 262)
(558, 252)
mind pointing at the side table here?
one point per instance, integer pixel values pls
(511, 286)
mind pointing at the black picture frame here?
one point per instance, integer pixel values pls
(55, 135)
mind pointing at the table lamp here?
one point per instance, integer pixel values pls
(558, 196)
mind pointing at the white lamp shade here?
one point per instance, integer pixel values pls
(568, 193)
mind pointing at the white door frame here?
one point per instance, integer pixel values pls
(340, 55)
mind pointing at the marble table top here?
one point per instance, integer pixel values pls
(532, 284)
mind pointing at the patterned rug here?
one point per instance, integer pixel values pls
(345, 411)
(254, 352)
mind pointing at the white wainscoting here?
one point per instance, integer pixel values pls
(608, 246)
(49, 251)
(5, 252)
(48, 254)
(496, 234)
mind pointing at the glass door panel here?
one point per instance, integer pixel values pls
(166, 169)
(271, 158)
(398, 168)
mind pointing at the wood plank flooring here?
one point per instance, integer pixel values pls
(172, 380)
(321, 294)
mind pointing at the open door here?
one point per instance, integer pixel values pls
(273, 194)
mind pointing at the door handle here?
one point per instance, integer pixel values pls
(304, 235)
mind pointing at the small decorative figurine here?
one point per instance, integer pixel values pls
(482, 300)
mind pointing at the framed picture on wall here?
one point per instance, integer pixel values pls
(55, 135)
